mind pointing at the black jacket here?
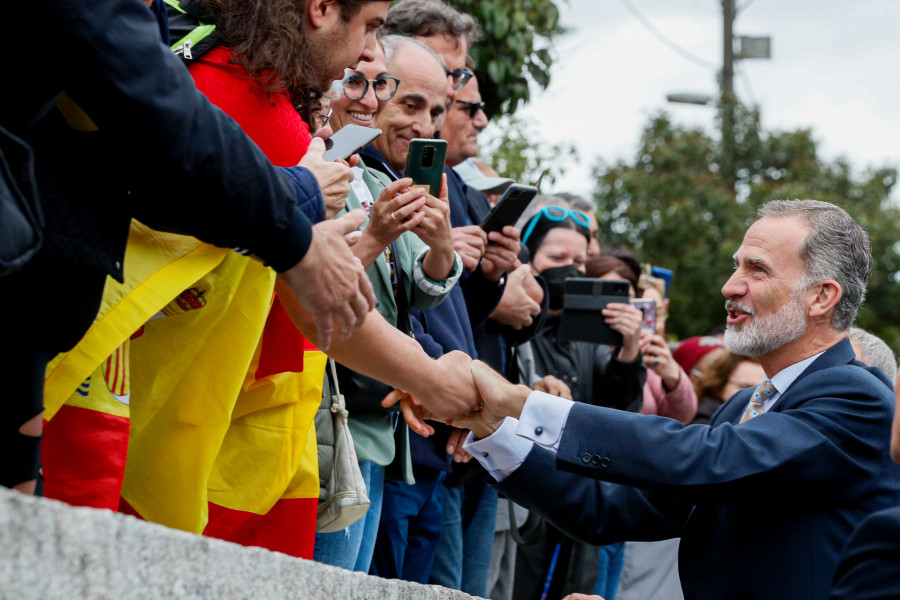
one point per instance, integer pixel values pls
(160, 152)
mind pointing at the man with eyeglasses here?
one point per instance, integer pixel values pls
(411, 514)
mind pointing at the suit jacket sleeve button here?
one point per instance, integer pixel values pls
(586, 458)
(605, 462)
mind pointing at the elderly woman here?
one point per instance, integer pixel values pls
(407, 248)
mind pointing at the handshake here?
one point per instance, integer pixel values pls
(464, 393)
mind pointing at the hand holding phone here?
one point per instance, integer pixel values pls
(583, 304)
(509, 208)
(425, 163)
(348, 140)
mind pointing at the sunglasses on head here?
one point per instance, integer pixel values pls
(558, 214)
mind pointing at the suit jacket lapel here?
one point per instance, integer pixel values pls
(839, 354)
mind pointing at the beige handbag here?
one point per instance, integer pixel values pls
(343, 498)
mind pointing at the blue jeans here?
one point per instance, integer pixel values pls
(463, 556)
(352, 548)
(609, 570)
(410, 527)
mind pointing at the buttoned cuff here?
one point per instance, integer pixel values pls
(502, 452)
(543, 419)
(435, 287)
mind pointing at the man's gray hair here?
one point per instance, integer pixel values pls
(875, 352)
(430, 17)
(392, 43)
(836, 248)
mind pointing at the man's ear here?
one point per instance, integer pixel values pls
(318, 12)
(822, 298)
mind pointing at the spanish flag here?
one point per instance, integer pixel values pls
(264, 487)
(87, 390)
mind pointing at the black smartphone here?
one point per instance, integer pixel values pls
(425, 163)
(348, 140)
(584, 298)
(509, 208)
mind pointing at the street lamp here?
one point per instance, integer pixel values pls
(690, 98)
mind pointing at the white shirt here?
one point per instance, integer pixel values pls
(543, 420)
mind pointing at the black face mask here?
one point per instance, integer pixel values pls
(556, 283)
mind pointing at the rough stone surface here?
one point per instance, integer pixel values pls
(49, 550)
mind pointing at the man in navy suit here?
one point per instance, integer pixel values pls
(765, 497)
(870, 565)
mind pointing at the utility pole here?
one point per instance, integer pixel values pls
(728, 99)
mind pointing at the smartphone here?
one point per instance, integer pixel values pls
(664, 274)
(348, 140)
(581, 318)
(425, 163)
(509, 208)
(648, 308)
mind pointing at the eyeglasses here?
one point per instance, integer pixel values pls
(558, 214)
(473, 107)
(460, 77)
(321, 119)
(356, 86)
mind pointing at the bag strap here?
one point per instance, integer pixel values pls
(403, 322)
(194, 37)
(338, 405)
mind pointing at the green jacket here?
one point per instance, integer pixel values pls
(374, 437)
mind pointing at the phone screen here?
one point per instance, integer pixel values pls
(648, 308)
(348, 140)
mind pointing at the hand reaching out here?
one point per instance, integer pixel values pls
(341, 306)
(553, 386)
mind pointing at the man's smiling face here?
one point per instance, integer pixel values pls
(766, 300)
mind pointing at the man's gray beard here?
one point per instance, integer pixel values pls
(766, 334)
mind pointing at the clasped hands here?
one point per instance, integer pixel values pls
(466, 393)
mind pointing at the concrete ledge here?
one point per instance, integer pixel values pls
(49, 550)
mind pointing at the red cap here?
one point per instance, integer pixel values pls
(693, 349)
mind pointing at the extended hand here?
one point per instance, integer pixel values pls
(330, 282)
(334, 177)
(553, 386)
(500, 399)
(446, 390)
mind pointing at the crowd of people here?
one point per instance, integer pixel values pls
(210, 262)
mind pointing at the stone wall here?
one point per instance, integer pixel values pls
(49, 550)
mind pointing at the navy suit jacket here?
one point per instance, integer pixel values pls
(780, 493)
(870, 566)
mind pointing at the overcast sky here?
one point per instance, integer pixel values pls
(834, 69)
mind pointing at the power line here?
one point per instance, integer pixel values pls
(672, 45)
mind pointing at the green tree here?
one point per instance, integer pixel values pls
(515, 48)
(514, 148)
(672, 207)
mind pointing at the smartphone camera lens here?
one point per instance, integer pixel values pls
(428, 156)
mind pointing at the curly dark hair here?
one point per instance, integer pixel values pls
(266, 38)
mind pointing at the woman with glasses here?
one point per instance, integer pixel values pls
(557, 239)
(387, 248)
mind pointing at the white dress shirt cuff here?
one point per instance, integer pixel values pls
(502, 452)
(543, 419)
